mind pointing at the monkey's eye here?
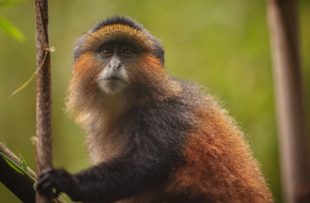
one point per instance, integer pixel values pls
(106, 52)
(127, 52)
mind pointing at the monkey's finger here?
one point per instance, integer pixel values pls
(55, 192)
(43, 185)
(43, 182)
(46, 190)
(46, 172)
(43, 179)
(49, 191)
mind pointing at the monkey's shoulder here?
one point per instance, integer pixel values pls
(156, 117)
(174, 112)
(179, 108)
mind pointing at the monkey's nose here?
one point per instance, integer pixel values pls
(115, 64)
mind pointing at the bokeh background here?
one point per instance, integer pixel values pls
(223, 45)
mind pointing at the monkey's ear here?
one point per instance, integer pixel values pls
(160, 54)
(78, 47)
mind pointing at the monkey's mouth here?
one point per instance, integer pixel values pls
(112, 84)
(113, 78)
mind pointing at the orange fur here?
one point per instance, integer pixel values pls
(118, 31)
(83, 88)
(86, 69)
(150, 71)
(219, 166)
(152, 74)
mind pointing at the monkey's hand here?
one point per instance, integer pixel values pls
(52, 182)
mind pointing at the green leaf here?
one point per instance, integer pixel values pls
(12, 164)
(11, 29)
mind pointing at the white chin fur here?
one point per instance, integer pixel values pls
(112, 86)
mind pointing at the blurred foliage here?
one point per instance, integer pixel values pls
(223, 45)
(9, 27)
(9, 2)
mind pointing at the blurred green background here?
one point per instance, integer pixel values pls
(223, 45)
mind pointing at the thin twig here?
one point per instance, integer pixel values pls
(26, 83)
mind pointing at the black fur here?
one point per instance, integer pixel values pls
(157, 133)
(117, 20)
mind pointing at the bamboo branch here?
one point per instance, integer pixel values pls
(17, 177)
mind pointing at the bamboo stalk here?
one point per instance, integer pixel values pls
(17, 177)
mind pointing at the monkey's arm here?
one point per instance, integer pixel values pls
(147, 162)
(156, 136)
(138, 170)
(123, 177)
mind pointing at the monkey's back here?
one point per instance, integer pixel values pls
(208, 158)
(219, 166)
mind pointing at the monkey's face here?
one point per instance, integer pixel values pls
(116, 59)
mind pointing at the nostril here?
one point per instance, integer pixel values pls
(115, 66)
(118, 65)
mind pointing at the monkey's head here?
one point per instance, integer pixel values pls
(116, 57)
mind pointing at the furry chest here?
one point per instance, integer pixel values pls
(104, 144)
